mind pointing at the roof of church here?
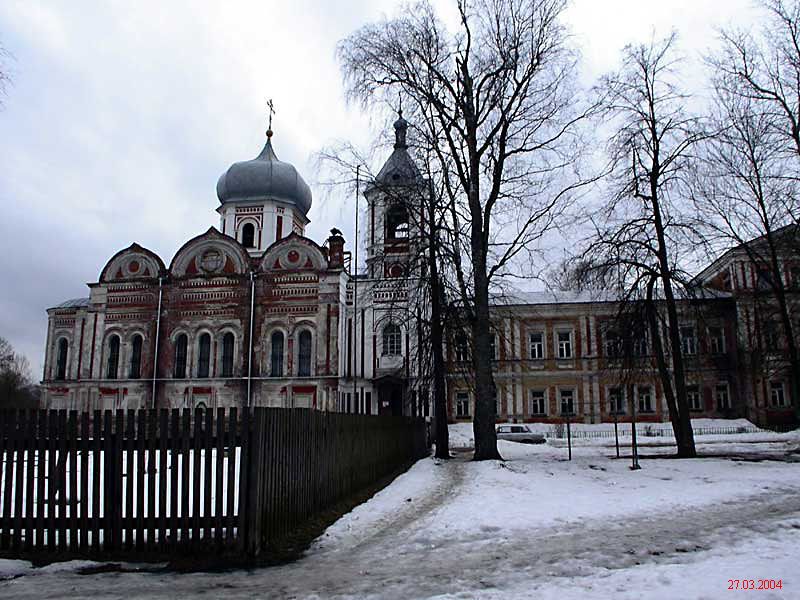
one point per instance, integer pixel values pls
(73, 303)
(399, 168)
(264, 178)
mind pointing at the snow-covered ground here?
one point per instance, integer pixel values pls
(534, 526)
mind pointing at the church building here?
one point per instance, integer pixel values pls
(252, 313)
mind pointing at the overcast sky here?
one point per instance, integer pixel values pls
(122, 115)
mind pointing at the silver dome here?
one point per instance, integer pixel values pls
(264, 178)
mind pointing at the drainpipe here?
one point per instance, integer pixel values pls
(250, 341)
(155, 348)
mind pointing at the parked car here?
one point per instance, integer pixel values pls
(519, 433)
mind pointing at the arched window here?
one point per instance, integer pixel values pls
(61, 360)
(181, 345)
(392, 340)
(304, 354)
(227, 354)
(249, 235)
(203, 355)
(136, 358)
(397, 222)
(276, 355)
(112, 363)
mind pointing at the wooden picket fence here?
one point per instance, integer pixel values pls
(159, 483)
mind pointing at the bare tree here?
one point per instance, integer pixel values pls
(747, 197)
(16, 387)
(765, 67)
(641, 225)
(748, 190)
(498, 106)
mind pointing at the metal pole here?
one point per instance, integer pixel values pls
(616, 432)
(250, 341)
(634, 447)
(355, 296)
(569, 439)
(155, 342)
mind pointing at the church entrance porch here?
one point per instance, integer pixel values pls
(391, 395)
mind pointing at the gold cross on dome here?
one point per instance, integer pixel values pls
(271, 109)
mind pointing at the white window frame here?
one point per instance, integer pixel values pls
(531, 401)
(462, 396)
(775, 386)
(650, 394)
(574, 393)
(568, 344)
(391, 342)
(726, 386)
(614, 410)
(688, 344)
(532, 345)
(461, 353)
(696, 392)
(717, 345)
(616, 346)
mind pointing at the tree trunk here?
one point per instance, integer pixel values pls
(684, 436)
(663, 367)
(485, 397)
(437, 339)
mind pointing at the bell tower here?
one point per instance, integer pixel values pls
(392, 208)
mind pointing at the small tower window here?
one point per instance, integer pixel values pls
(61, 361)
(181, 345)
(276, 355)
(397, 222)
(304, 354)
(112, 364)
(227, 354)
(136, 358)
(249, 235)
(204, 355)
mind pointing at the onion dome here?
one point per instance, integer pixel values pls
(264, 178)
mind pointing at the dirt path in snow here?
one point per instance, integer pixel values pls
(397, 559)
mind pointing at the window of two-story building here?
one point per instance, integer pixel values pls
(462, 405)
(536, 345)
(763, 279)
(644, 394)
(716, 340)
(538, 403)
(777, 394)
(772, 337)
(613, 344)
(493, 346)
(694, 397)
(564, 343)
(688, 340)
(461, 350)
(566, 401)
(616, 400)
(722, 396)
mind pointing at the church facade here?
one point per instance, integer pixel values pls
(252, 313)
